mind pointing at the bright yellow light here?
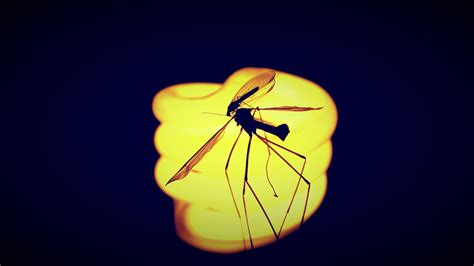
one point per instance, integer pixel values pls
(205, 215)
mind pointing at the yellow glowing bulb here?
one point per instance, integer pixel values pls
(205, 214)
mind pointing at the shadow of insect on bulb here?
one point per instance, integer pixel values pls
(251, 91)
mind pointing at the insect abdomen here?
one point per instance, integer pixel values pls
(281, 131)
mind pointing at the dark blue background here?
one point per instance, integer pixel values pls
(79, 81)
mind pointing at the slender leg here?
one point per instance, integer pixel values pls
(243, 191)
(268, 157)
(230, 187)
(300, 174)
(263, 209)
(246, 183)
(297, 184)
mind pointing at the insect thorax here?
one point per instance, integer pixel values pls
(244, 118)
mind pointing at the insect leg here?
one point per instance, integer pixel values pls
(246, 182)
(243, 190)
(268, 157)
(263, 209)
(300, 174)
(230, 187)
(297, 184)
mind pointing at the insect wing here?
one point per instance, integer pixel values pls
(291, 108)
(262, 83)
(197, 157)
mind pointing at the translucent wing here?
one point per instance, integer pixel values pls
(197, 157)
(291, 108)
(255, 87)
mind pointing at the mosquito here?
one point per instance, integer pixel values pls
(251, 91)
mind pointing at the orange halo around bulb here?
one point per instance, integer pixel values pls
(205, 216)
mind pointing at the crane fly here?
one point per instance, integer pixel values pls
(250, 92)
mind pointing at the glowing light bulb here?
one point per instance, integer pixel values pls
(205, 214)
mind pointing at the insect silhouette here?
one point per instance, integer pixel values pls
(245, 117)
